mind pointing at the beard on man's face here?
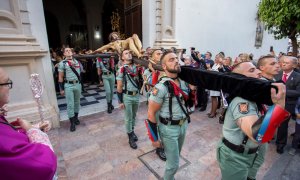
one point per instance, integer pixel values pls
(129, 61)
(175, 69)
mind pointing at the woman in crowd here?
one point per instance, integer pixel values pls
(215, 94)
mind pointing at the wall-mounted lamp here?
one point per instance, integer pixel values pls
(97, 33)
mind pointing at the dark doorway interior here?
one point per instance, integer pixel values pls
(130, 12)
(52, 30)
(72, 23)
(67, 22)
(108, 8)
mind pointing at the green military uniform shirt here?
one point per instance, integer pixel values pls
(64, 66)
(161, 95)
(104, 64)
(235, 165)
(131, 85)
(237, 109)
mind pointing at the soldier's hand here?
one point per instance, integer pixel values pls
(122, 106)
(156, 144)
(94, 52)
(278, 97)
(62, 93)
(150, 67)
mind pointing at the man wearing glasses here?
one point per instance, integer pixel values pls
(4, 93)
(8, 84)
(26, 151)
(292, 82)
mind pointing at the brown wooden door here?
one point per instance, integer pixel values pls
(133, 17)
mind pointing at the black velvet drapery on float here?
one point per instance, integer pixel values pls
(252, 89)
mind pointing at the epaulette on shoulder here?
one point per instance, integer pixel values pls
(168, 85)
(64, 61)
(162, 79)
(165, 82)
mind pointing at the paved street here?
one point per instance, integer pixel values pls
(99, 149)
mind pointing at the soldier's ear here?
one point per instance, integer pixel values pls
(261, 68)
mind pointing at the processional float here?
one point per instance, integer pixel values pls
(252, 89)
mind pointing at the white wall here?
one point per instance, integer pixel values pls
(148, 18)
(43, 64)
(218, 25)
(38, 29)
(37, 23)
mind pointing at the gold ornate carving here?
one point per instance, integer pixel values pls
(115, 23)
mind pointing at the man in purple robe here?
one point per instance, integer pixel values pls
(25, 150)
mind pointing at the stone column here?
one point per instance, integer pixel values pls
(165, 24)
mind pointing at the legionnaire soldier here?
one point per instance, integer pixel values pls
(70, 85)
(151, 77)
(169, 98)
(128, 94)
(269, 67)
(106, 67)
(240, 153)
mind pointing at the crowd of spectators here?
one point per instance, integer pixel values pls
(196, 59)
